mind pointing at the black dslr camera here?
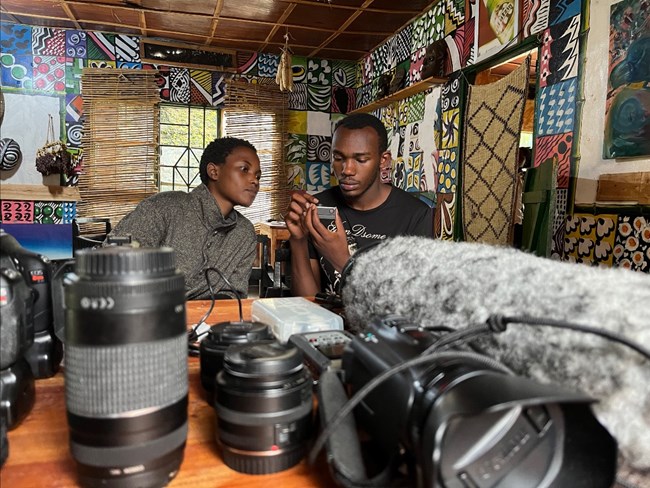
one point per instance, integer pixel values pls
(441, 417)
(16, 339)
(46, 350)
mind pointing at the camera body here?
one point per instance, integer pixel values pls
(45, 350)
(463, 423)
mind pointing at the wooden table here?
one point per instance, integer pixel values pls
(39, 454)
(275, 233)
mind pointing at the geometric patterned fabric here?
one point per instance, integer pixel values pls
(490, 168)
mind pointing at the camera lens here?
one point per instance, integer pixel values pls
(219, 338)
(126, 379)
(264, 407)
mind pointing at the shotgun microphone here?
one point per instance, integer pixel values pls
(459, 285)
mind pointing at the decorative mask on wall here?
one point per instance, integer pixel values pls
(398, 81)
(435, 60)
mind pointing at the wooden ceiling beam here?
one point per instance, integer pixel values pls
(69, 13)
(350, 7)
(143, 24)
(215, 20)
(11, 16)
(283, 17)
(341, 28)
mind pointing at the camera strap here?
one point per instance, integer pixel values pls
(344, 452)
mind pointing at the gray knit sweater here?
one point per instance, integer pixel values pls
(192, 225)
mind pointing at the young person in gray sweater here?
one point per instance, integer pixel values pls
(202, 226)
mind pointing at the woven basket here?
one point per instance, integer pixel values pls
(53, 157)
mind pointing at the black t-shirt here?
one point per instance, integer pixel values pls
(401, 214)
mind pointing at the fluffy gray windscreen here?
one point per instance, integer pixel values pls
(434, 282)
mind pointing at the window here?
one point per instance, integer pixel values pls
(184, 132)
(120, 141)
(258, 113)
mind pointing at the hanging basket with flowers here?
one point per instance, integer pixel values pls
(53, 157)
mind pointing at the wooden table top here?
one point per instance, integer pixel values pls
(39, 455)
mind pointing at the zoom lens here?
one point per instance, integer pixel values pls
(264, 407)
(126, 379)
(220, 337)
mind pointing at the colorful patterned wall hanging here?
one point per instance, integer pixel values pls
(73, 120)
(460, 45)
(319, 98)
(75, 44)
(453, 12)
(54, 212)
(16, 39)
(17, 212)
(127, 48)
(319, 148)
(627, 124)
(296, 176)
(558, 146)
(415, 70)
(247, 63)
(590, 238)
(218, 89)
(561, 10)
(560, 51)
(100, 46)
(298, 98)
(318, 176)
(403, 46)
(200, 87)
(16, 71)
(419, 33)
(447, 168)
(490, 166)
(296, 148)
(48, 42)
(444, 216)
(179, 85)
(632, 244)
(267, 65)
(380, 59)
(536, 19)
(344, 100)
(49, 74)
(555, 108)
(101, 63)
(73, 70)
(343, 74)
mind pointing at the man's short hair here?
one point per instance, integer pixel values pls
(217, 151)
(361, 121)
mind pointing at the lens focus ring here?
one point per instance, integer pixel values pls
(118, 262)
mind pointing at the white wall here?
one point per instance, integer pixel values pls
(25, 121)
(592, 130)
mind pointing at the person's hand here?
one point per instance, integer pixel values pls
(296, 212)
(333, 246)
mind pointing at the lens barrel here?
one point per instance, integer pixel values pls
(219, 338)
(126, 378)
(264, 407)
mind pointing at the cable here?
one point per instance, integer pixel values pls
(192, 334)
(230, 289)
(458, 336)
(379, 379)
(502, 321)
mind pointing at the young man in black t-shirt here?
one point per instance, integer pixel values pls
(367, 209)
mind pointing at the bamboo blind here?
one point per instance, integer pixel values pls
(120, 141)
(258, 114)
